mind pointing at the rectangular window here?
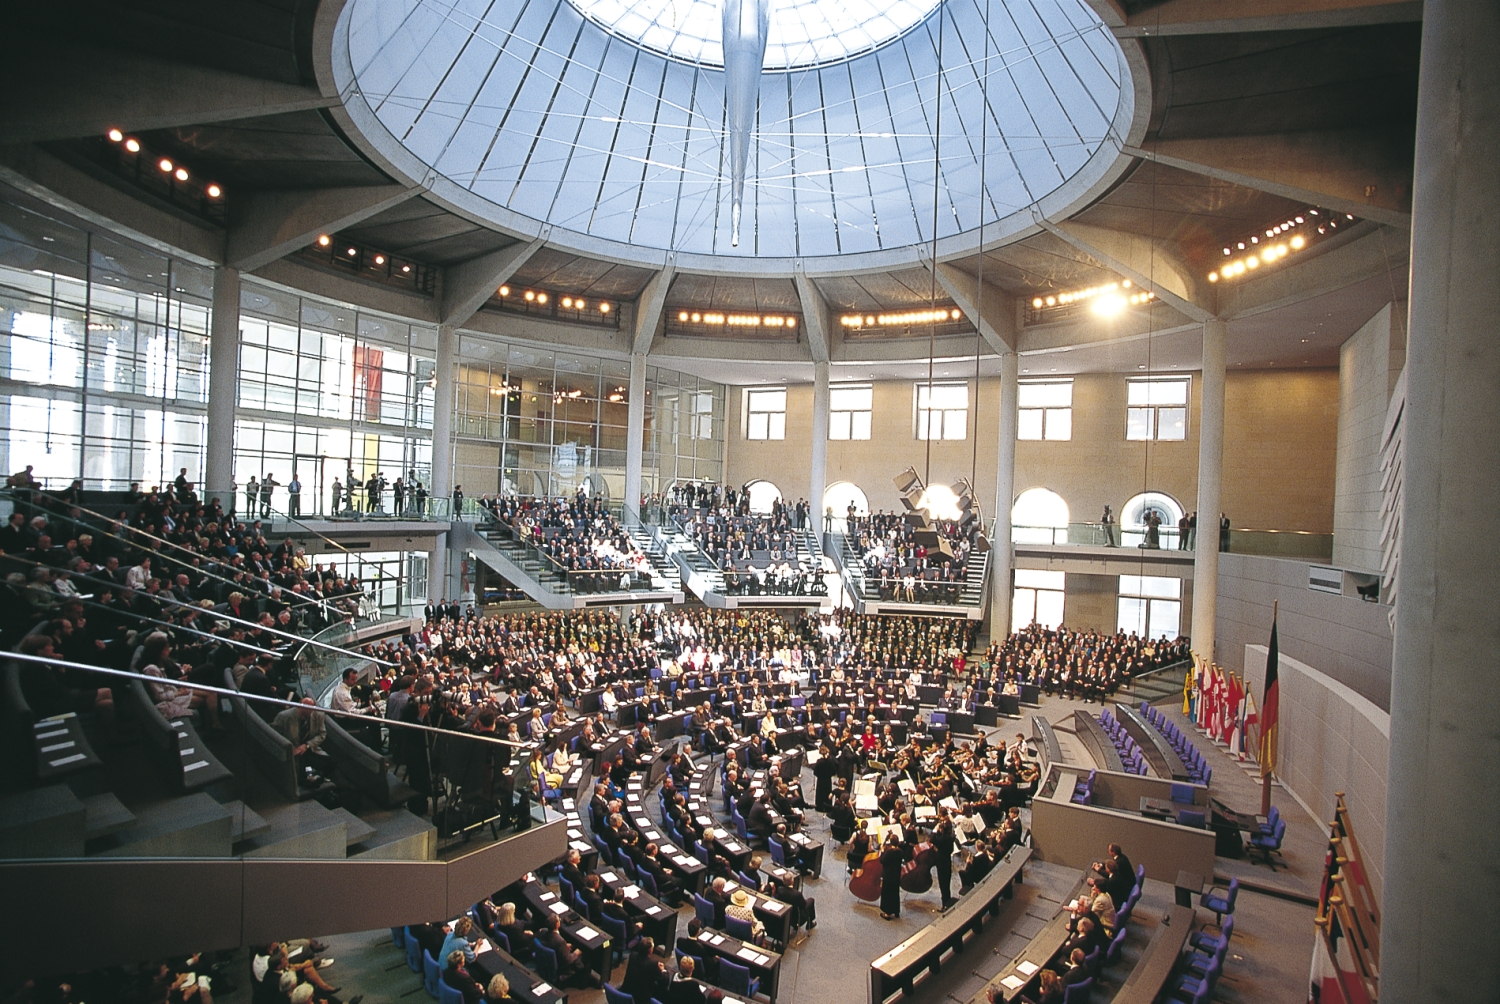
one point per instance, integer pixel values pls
(702, 421)
(1157, 409)
(943, 411)
(1045, 410)
(849, 409)
(767, 414)
(1150, 605)
(1038, 597)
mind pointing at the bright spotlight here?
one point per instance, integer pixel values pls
(1108, 306)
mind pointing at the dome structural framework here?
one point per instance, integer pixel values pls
(550, 122)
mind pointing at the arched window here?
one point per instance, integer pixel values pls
(1039, 516)
(1133, 530)
(839, 496)
(763, 495)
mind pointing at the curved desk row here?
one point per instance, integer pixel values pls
(1100, 746)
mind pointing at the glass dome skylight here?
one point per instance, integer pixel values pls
(539, 119)
(803, 32)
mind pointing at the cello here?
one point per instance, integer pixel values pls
(916, 874)
(865, 882)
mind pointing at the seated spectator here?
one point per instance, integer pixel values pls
(305, 728)
(457, 977)
(739, 909)
(683, 989)
(460, 940)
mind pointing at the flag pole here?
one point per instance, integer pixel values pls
(1265, 777)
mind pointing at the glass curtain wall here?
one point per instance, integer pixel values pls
(533, 421)
(328, 391)
(104, 359)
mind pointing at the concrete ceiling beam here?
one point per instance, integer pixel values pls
(469, 285)
(817, 319)
(1208, 17)
(63, 90)
(1352, 172)
(651, 306)
(990, 310)
(1141, 260)
(265, 226)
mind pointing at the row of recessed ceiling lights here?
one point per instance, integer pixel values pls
(940, 316)
(1299, 231)
(1108, 299)
(164, 164)
(379, 258)
(540, 297)
(717, 319)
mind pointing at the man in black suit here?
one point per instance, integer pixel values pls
(689, 946)
(572, 872)
(1074, 970)
(759, 820)
(1118, 883)
(1117, 853)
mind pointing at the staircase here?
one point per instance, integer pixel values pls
(531, 572)
(866, 594)
(697, 570)
(1164, 684)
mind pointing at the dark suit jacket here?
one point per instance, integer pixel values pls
(684, 992)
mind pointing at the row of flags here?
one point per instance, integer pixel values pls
(1346, 942)
(1223, 706)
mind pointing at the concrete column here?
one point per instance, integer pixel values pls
(1442, 822)
(818, 476)
(1210, 483)
(223, 386)
(1001, 558)
(442, 452)
(442, 412)
(635, 430)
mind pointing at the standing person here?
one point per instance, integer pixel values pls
(523, 779)
(1182, 532)
(890, 878)
(1223, 532)
(1153, 531)
(294, 496)
(943, 842)
(398, 497)
(372, 493)
(266, 488)
(458, 501)
(1192, 530)
(419, 499)
(252, 496)
(1108, 522)
(338, 493)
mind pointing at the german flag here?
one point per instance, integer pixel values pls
(1270, 707)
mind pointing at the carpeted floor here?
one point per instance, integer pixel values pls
(1268, 961)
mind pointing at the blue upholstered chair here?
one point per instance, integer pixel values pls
(613, 995)
(432, 973)
(741, 929)
(398, 938)
(413, 953)
(736, 979)
(1078, 993)
(448, 995)
(1221, 905)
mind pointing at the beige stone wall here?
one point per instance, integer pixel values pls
(1369, 364)
(1280, 439)
(1280, 434)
